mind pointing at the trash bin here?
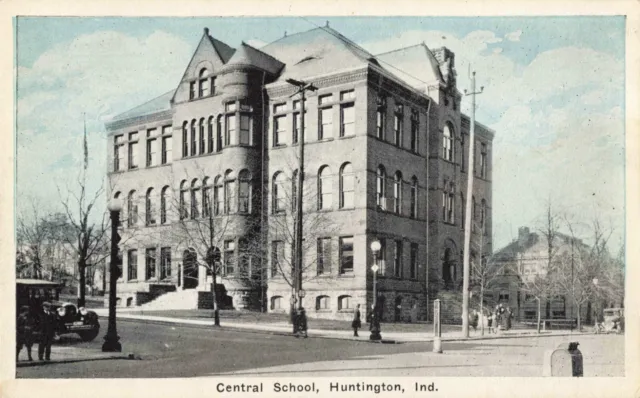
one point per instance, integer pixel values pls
(564, 361)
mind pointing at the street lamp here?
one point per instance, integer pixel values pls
(375, 319)
(111, 339)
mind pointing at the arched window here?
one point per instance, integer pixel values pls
(194, 141)
(229, 192)
(210, 134)
(347, 186)
(219, 134)
(483, 216)
(132, 209)
(279, 197)
(397, 193)
(202, 137)
(203, 84)
(218, 195)
(117, 196)
(447, 143)
(325, 188)
(184, 190)
(277, 303)
(448, 268)
(414, 197)
(164, 200)
(345, 303)
(322, 303)
(381, 177)
(185, 140)
(206, 197)
(195, 200)
(244, 191)
(473, 213)
(150, 208)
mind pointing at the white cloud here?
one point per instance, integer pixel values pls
(513, 36)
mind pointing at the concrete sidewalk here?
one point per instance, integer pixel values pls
(388, 337)
(67, 354)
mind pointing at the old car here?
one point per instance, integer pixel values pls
(71, 319)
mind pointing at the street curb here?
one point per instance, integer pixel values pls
(25, 364)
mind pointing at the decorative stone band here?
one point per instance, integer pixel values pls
(166, 115)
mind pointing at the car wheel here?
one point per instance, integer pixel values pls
(89, 335)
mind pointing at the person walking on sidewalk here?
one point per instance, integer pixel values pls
(25, 328)
(356, 323)
(47, 332)
(302, 323)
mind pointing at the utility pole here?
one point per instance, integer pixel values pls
(469, 212)
(297, 288)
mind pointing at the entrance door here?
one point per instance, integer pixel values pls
(190, 269)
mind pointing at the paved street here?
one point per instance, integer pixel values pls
(178, 351)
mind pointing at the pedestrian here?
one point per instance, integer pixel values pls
(509, 314)
(24, 331)
(356, 323)
(473, 320)
(47, 326)
(302, 322)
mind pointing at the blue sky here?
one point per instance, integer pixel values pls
(554, 94)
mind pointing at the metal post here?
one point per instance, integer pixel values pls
(437, 328)
(111, 339)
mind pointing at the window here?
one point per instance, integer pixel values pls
(279, 108)
(483, 216)
(347, 120)
(230, 132)
(447, 143)
(381, 117)
(324, 256)
(184, 212)
(167, 153)
(325, 185)
(165, 262)
(164, 199)
(277, 303)
(483, 160)
(414, 261)
(132, 265)
(230, 106)
(297, 122)
(244, 258)
(118, 152)
(473, 214)
(195, 200)
(202, 136)
(279, 197)
(414, 197)
(346, 254)
(415, 120)
(326, 123)
(398, 125)
(448, 204)
(462, 153)
(203, 84)
(397, 193)
(451, 206)
(150, 209)
(397, 259)
(210, 134)
(322, 303)
(229, 192)
(150, 263)
(503, 297)
(152, 148)
(185, 140)
(381, 177)
(279, 130)
(245, 129)
(133, 150)
(277, 256)
(194, 139)
(192, 90)
(132, 209)
(244, 192)
(325, 99)
(347, 185)
(218, 195)
(213, 85)
(345, 303)
(347, 95)
(229, 257)
(462, 211)
(382, 257)
(219, 134)
(206, 197)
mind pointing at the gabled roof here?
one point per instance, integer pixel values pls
(416, 65)
(224, 51)
(247, 55)
(316, 52)
(158, 104)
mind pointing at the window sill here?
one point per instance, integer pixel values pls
(347, 137)
(156, 166)
(347, 208)
(346, 311)
(347, 275)
(324, 276)
(324, 311)
(132, 281)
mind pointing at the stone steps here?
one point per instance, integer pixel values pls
(178, 300)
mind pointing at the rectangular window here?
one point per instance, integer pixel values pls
(118, 153)
(326, 123)
(346, 255)
(382, 257)
(244, 196)
(279, 108)
(167, 154)
(324, 256)
(132, 265)
(451, 208)
(229, 257)
(397, 260)
(397, 129)
(296, 127)
(230, 132)
(192, 90)
(152, 152)
(347, 95)
(279, 130)
(414, 130)
(347, 120)
(165, 262)
(204, 87)
(322, 303)
(213, 85)
(297, 104)
(414, 261)
(245, 129)
(325, 99)
(150, 263)
(462, 153)
(133, 155)
(277, 257)
(483, 160)
(230, 106)
(194, 139)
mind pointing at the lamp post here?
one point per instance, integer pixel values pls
(111, 339)
(375, 317)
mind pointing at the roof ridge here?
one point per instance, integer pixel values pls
(403, 48)
(345, 39)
